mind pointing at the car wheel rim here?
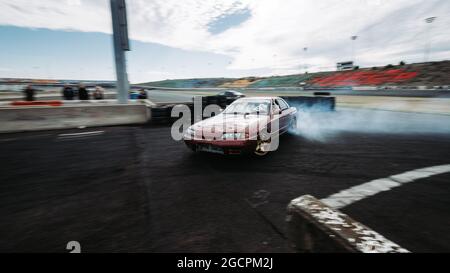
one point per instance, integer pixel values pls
(294, 125)
(260, 149)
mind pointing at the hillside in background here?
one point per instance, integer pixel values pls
(421, 74)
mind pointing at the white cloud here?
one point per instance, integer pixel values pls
(388, 31)
(274, 36)
(78, 15)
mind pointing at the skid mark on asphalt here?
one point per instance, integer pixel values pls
(19, 138)
(258, 199)
(357, 193)
(80, 135)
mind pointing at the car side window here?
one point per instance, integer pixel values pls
(275, 108)
(283, 105)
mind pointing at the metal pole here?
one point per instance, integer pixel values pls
(305, 49)
(429, 21)
(354, 38)
(275, 62)
(121, 44)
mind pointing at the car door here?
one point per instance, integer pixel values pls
(285, 118)
(275, 117)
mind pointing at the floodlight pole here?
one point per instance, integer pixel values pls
(121, 45)
(353, 38)
(305, 49)
(429, 21)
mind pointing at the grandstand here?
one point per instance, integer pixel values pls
(412, 75)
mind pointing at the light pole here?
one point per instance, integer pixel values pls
(429, 21)
(121, 45)
(305, 49)
(353, 38)
(275, 61)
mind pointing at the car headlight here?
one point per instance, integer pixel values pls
(190, 133)
(233, 136)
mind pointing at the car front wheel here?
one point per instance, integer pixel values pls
(262, 147)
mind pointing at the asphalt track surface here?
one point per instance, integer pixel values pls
(134, 189)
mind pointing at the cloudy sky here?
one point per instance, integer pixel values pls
(217, 38)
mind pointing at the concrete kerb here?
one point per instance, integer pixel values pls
(72, 115)
(316, 227)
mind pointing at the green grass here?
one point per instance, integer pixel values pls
(282, 81)
(190, 83)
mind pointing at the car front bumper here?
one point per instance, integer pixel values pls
(226, 147)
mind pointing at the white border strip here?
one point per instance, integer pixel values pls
(357, 193)
(334, 223)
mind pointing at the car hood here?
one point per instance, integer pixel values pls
(231, 123)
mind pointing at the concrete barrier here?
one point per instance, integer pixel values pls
(161, 113)
(365, 88)
(74, 116)
(15, 96)
(312, 104)
(314, 227)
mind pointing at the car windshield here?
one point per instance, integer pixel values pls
(249, 107)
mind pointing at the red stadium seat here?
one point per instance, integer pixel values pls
(357, 78)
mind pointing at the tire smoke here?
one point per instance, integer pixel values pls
(321, 126)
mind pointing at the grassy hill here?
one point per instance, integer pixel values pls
(421, 74)
(190, 83)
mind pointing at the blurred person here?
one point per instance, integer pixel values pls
(133, 95)
(142, 95)
(83, 93)
(99, 93)
(68, 92)
(29, 92)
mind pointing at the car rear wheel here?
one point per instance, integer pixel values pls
(294, 125)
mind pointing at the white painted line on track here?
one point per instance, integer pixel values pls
(81, 135)
(357, 193)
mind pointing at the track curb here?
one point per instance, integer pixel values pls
(316, 227)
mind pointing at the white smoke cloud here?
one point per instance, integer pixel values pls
(325, 126)
(273, 37)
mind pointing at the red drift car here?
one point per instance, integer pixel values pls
(249, 125)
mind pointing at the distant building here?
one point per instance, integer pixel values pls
(345, 66)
